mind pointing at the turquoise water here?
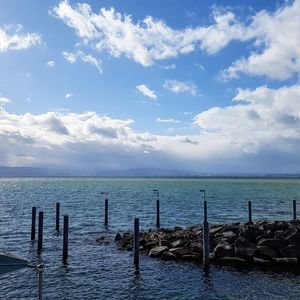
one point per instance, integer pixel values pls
(97, 270)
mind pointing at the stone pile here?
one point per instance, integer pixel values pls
(262, 243)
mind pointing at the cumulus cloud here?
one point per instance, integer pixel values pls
(277, 37)
(12, 38)
(179, 87)
(173, 121)
(259, 132)
(148, 40)
(4, 100)
(146, 91)
(87, 58)
(50, 64)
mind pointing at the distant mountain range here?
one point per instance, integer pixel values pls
(136, 172)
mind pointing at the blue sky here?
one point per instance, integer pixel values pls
(172, 84)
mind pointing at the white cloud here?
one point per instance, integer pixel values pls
(70, 57)
(50, 64)
(148, 40)
(68, 95)
(4, 100)
(259, 132)
(12, 38)
(169, 67)
(146, 91)
(173, 121)
(87, 58)
(277, 35)
(179, 87)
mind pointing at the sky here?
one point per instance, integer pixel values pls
(204, 86)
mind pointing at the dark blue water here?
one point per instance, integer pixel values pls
(97, 270)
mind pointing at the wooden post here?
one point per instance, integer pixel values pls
(40, 270)
(65, 237)
(106, 212)
(294, 210)
(205, 238)
(157, 214)
(136, 244)
(40, 232)
(249, 212)
(33, 220)
(57, 216)
(157, 208)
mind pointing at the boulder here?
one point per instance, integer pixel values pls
(286, 260)
(196, 247)
(157, 251)
(290, 251)
(179, 251)
(215, 229)
(228, 234)
(268, 251)
(233, 261)
(166, 255)
(294, 238)
(151, 245)
(190, 257)
(223, 250)
(176, 244)
(244, 249)
(273, 243)
(261, 261)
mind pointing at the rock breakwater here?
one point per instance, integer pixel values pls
(267, 243)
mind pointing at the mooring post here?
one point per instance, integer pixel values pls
(65, 237)
(136, 259)
(157, 208)
(249, 212)
(40, 232)
(294, 210)
(57, 216)
(40, 270)
(105, 208)
(33, 220)
(205, 235)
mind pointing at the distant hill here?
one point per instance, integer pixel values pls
(135, 172)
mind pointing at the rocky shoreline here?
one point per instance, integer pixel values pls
(263, 243)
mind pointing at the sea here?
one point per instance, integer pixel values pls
(96, 269)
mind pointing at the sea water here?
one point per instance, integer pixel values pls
(97, 270)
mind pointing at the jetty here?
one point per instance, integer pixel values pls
(264, 243)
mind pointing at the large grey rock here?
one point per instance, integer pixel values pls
(261, 261)
(179, 251)
(233, 261)
(268, 251)
(215, 229)
(223, 250)
(166, 255)
(176, 244)
(294, 238)
(229, 234)
(190, 257)
(286, 260)
(196, 247)
(244, 249)
(157, 251)
(290, 251)
(273, 243)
